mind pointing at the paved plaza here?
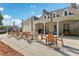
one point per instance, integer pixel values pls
(38, 48)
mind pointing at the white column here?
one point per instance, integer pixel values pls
(57, 28)
(33, 28)
(44, 28)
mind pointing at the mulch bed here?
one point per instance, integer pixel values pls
(5, 50)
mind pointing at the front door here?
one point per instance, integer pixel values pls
(40, 31)
(66, 29)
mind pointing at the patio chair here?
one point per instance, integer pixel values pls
(62, 39)
(26, 35)
(36, 36)
(51, 39)
(17, 33)
(10, 34)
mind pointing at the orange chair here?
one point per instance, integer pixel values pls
(51, 39)
(26, 34)
(17, 33)
(11, 34)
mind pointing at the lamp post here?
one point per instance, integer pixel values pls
(13, 28)
(22, 28)
(13, 25)
(32, 29)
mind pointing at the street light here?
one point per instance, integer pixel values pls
(22, 29)
(22, 26)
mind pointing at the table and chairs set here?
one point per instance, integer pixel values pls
(48, 39)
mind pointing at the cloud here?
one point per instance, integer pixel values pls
(7, 16)
(32, 13)
(32, 6)
(39, 15)
(17, 22)
(1, 9)
(8, 21)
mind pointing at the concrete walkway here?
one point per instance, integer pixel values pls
(71, 47)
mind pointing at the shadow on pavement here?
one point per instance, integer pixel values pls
(56, 49)
(72, 49)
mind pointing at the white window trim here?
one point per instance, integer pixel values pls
(46, 16)
(67, 12)
(55, 14)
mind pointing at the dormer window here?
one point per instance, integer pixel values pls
(66, 12)
(58, 15)
(48, 17)
(45, 17)
(54, 14)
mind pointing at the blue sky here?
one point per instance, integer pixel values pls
(19, 11)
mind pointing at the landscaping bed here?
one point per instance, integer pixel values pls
(5, 50)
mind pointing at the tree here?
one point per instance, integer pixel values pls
(1, 18)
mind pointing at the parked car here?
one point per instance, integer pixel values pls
(2, 31)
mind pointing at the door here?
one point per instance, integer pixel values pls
(66, 29)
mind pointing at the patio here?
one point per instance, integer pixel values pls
(37, 48)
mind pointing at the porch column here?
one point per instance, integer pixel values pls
(44, 29)
(57, 28)
(34, 27)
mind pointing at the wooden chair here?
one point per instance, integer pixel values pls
(17, 33)
(26, 35)
(10, 34)
(61, 39)
(51, 39)
(36, 36)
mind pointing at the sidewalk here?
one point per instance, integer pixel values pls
(38, 49)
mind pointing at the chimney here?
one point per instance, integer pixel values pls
(73, 5)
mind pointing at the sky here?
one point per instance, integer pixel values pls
(18, 11)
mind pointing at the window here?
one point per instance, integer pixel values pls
(70, 13)
(48, 17)
(55, 28)
(54, 15)
(66, 28)
(45, 17)
(66, 12)
(58, 15)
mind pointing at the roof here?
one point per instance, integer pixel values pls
(33, 17)
(61, 9)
